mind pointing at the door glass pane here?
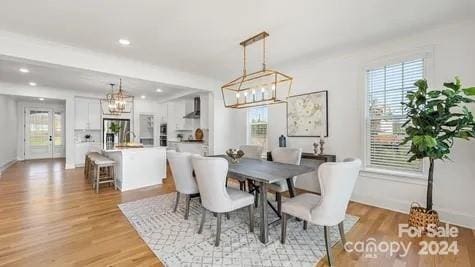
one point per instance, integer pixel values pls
(39, 134)
(58, 129)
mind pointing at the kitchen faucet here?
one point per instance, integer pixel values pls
(128, 133)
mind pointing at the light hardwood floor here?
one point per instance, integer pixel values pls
(50, 217)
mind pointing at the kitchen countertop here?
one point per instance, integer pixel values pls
(121, 149)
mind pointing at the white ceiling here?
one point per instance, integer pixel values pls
(54, 76)
(202, 36)
(37, 100)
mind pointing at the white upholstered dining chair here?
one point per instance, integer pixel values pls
(252, 151)
(185, 183)
(215, 196)
(289, 156)
(193, 148)
(337, 180)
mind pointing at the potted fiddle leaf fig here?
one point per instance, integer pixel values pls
(435, 119)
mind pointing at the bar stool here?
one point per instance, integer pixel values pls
(104, 172)
(89, 164)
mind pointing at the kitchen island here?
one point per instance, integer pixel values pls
(138, 167)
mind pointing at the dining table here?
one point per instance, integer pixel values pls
(263, 173)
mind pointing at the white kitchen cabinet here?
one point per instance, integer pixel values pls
(204, 117)
(82, 113)
(180, 112)
(163, 113)
(94, 114)
(88, 114)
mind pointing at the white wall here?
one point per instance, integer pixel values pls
(8, 121)
(452, 53)
(228, 124)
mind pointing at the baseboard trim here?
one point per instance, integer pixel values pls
(448, 216)
(7, 165)
(68, 166)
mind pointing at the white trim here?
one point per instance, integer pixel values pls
(7, 165)
(427, 54)
(461, 219)
(390, 175)
(68, 166)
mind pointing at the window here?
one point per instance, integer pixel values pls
(257, 126)
(386, 89)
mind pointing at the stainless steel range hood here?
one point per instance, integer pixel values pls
(196, 110)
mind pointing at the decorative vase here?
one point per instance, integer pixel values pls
(282, 141)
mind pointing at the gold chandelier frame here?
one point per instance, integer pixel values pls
(264, 78)
(117, 101)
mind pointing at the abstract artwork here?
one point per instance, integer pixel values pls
(307, 115)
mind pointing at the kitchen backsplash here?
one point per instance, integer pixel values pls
(80, 136)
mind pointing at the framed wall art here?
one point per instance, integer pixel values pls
(307, 115)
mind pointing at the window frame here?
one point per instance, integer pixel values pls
(248, 129)
(425, 53)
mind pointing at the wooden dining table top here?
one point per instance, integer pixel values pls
(264, 171)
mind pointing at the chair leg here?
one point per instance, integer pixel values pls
(177, 200)
(278, 198)
(187, 206)
(305, 225)
(98, 175)
(251, 218)
(218, 230)
(283, 234)
(115, 177)
(203, 218)
(326, 231)
(342, 234)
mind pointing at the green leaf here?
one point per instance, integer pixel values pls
(451, 86)
(448, 93)
(434, 94)
(469, 91)
(452, 123)
(464, 134)
(422, 85)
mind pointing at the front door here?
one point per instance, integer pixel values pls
(44, 133)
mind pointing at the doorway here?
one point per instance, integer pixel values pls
(44, 133)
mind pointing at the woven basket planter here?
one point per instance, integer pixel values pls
(420, 218)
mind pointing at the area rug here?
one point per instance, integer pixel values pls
(176, 242)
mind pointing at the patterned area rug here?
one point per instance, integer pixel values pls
(175, 241)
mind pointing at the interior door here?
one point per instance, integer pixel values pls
(59, 148)
(44, 133)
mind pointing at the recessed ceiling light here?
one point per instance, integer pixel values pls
(24, 70)
(32, 83)
(41, 99)
(124, 42)
(159, 90)
(143, 97)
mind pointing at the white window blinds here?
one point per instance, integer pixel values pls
(257, 126)
(387, 88)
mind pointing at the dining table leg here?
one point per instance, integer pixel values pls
(290, 185)
(264, 231)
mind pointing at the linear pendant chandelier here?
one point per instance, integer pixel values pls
(264, 87)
